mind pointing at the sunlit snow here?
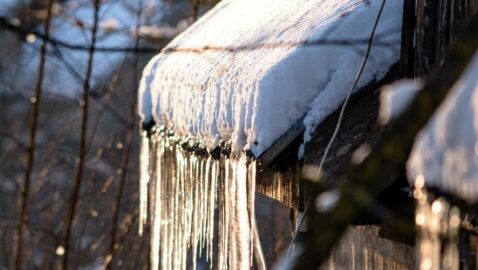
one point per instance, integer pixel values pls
(245, 78)
(242, 75)
(446, 150)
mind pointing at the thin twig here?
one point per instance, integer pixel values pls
(22, 226)
(129, 145)
(117, 204)
(195, 13)
(17, 141)
(82, 147)
(100, 114)
(120, 242)
(6, 24)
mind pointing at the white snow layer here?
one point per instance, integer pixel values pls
(250, 97)
(394, 98)
(446, 150)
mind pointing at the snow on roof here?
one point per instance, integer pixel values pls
(250, 97)
(446, 150)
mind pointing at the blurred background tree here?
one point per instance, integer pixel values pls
(104, 228)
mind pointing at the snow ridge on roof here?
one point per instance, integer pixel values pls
(250, 97)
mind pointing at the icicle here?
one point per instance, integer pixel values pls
(184, 190)
(224, 217)
(243, 228)
(438, 224)
(156, 218)
(212, 204)
(281, 186)
(231, 215)
(251, 190)
(143, 182)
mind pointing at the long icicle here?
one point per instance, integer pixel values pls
(143, 182)
(184, 190)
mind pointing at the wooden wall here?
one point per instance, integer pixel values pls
(429, 29)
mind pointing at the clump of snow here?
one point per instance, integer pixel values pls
(312, 172)
(327, 200)
(158, 31)
(163, 31)
(250, 97)
(359, 155)
(394, 98)
(446, 150)
(110, 25)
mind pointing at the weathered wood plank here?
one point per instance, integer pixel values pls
(378, 171)
(278, 174)
(407, 53)
(364, 247)
(436, 21)
(359, 126)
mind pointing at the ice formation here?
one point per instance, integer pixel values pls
(241, 76)
(186, 191)
(446, 150)
(279, 185)
(245, 72)
(360, 247)
(438, 225)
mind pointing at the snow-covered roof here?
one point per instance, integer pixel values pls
(252, 92)
(446, 150)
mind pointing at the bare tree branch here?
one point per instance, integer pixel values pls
(195, 13)
(83, 137)
(129, 145)
(6, 24)
(22, 226)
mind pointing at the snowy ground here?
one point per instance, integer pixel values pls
(254, 80)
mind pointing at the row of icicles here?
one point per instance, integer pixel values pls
(183, 194)
(438, 225)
